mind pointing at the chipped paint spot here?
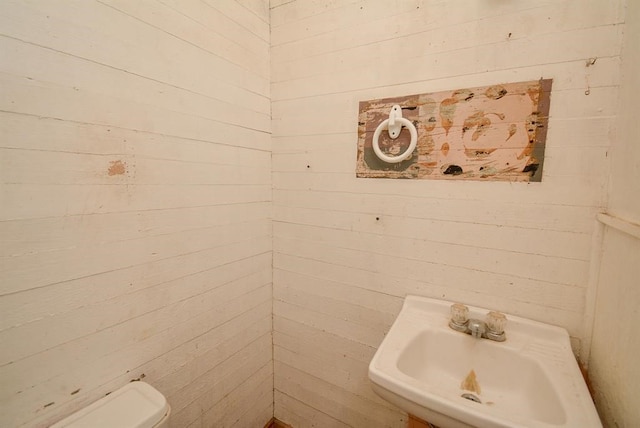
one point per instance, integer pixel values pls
(453, 170)
(142, 376)
(531, 168)
(513, 128)
(534, 93)
(117, 168)
(447, 111)
(478, 153)
(479, 121)
(495, 92)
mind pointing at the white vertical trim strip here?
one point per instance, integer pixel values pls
(592, 292)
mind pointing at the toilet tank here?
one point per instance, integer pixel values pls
(135, 405)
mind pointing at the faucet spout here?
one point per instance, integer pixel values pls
(477, 328)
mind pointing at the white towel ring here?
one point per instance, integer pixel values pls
(394, 126)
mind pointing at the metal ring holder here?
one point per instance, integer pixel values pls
(394, 126)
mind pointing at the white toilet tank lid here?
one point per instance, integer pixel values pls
(135, 405)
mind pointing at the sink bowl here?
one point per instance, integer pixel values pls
(530, 380)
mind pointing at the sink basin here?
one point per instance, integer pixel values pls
(530, 380)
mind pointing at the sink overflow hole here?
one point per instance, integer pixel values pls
(471, 397)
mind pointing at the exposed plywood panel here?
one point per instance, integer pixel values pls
(489, 133)
(135, 161)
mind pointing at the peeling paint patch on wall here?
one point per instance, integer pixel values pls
(117, 168)
(488, 133)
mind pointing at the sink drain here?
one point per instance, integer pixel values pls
(471, 397)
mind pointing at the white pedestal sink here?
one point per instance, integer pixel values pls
(530, 380)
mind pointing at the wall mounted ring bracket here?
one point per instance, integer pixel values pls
(394, 125)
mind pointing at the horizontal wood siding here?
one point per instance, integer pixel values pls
(348, 250)
(135, 212)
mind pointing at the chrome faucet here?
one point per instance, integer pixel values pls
(492, 328)
(476, 328)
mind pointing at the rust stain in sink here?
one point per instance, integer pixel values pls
(470, 383)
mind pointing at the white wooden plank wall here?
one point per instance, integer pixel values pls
(347, 250)
(135, 157)
(613, 367)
